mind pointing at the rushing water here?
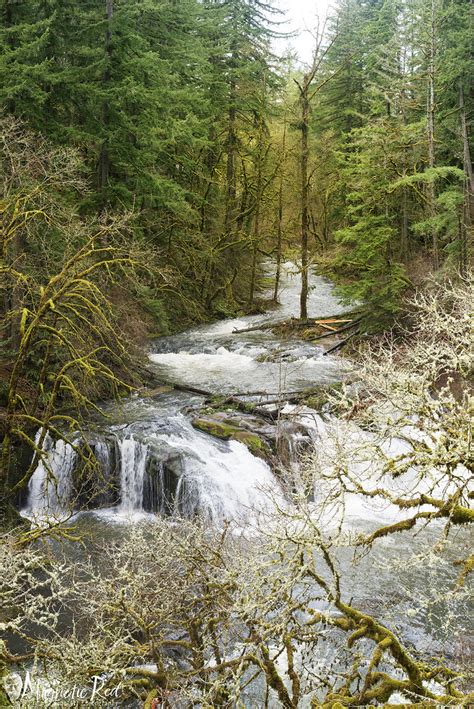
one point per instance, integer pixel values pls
(154, 461)
(159, 461)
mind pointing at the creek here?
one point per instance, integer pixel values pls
(154, 461)
(152, 458)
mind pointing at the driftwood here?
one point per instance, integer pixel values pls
(235, 400)
(190, 389)
(296, 322)
(212, 398)
(344, 328)
(247, 408)
(268, 393)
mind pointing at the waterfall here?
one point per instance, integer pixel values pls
(180, 471)
(220, 480)
(50, 486)
(133, 458)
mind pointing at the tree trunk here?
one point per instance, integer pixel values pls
(431, 132)
(280, 218)
(104, 161)
(231, 174)
(258, 207)
(404, 231)
(304, 197)
(404, 244)
(255, 250)
(467, 222)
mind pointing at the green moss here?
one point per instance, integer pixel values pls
(467, 568)
(219, 429)
(226, 432)
(252, 441)
(320, 396)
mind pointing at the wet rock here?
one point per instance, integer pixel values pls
(226, 429)
(292, 441)
(161, 482)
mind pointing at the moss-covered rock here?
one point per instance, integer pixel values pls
(221, 428)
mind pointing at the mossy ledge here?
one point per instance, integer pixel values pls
(226, 432)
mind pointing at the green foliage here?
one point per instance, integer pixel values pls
(155, 306)
(370, 256)
(177, 110)
(428, 176)
(384, 191)
(61, 346)
(376, 279)
(145, 90)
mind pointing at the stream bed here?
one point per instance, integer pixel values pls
(154, 461)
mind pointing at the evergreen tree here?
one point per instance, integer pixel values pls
(371, 247)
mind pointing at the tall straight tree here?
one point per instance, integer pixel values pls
(307, 91)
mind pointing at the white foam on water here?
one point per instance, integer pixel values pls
(223, 360)
(226, 327)
(50, 486)
(364, 454)
(133, 457)
(221, 480)
(117, 515)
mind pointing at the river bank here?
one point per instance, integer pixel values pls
(153, 458)
(343, 527)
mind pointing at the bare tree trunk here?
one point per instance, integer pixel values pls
(304, 195)
(211, 162)
(306, 96)
(256, 239)
(467, 222)
(258, 201)
(466, 154)
(404, 230)
(404, 243)
(231, 174)
(280, 218)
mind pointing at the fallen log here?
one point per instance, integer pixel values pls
(327, 327)
(332, 320)
(344, 328)
(268, 393)
(247, 408)
(191, 389)
(339, 345)
(263, 326)
(296, 322)
(214, 399)
(257, 409)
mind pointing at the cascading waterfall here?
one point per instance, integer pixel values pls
(220, 480)
(158, 462)
(133, 458)
(183, 472)
(50, 487)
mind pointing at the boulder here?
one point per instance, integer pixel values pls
(233, 428)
